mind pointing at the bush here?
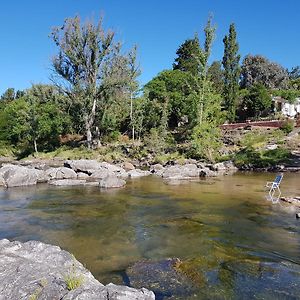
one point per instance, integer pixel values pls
(287, 126)
(261, 159)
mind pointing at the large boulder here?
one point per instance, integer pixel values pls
(181, 172)
(225, 166)
(118, 171)
(102, 173)
(112, 182)
(61, 173)
(34, 270)
(82, 165)
(12, 175)
(157, 169)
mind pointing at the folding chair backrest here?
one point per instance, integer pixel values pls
(278, 179)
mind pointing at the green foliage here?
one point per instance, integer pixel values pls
(206, 141)
(257, 101)
(8, 95)
(73, 282)
(232, 71)
(190, 57)
(258, 139)
(216, 75)
(289, 95)
(287, 126)
(95, 75)
(260, 159)
(33, 121)
(172, 87)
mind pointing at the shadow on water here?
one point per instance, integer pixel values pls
(231, 241)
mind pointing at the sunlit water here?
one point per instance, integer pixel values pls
(241, 245)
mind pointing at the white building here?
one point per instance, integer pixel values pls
(286, 108)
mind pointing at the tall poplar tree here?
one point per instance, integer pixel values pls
(232, 72)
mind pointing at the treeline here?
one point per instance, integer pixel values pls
(95, 94)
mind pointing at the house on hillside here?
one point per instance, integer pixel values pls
(286, 108)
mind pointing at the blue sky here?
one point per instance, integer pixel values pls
(267, 27)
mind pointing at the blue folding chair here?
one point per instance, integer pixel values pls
(274, 186)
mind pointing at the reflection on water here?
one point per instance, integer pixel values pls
(223, 229)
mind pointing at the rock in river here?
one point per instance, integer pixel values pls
(162, 277)
(12, 175)
(112, 182)
(34, 270)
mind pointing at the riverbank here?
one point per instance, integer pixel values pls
(34, 270)
(102, 174)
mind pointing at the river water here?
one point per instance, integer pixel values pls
(226, 232)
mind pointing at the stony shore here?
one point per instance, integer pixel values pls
(34, 270)
(101, 174)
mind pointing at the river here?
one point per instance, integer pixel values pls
(240, 244)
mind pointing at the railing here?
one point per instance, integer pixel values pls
(271, 124)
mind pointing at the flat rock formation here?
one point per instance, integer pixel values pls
(76, 172)
(292, 200)
(34, 270)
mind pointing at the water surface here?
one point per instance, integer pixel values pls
(239, 244)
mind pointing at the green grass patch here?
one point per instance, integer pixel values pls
(261, 159)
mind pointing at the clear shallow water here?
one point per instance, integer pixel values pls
(234, 242)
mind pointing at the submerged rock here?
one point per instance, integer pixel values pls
(68, 182)
(34, 270)
(162, 277)
(112, 182)
(138, 173)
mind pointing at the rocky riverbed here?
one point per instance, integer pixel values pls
(102, 174)
(34, 270)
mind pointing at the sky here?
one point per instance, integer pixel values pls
(158, 27)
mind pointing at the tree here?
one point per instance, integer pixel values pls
(259, 70)
(231, 66)
(190, 57)
(8, 95)
(171, 86)
(216, 76)
(90, 69)
(294, 73)
(257, 101)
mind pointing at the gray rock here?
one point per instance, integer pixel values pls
(224, 166)
(157, 169)
(101, 173)
(68, 182)
(127, 166)
(92, 183)
(82, 175)
(118, 171)
(112, 182)
(61, 173)
(42, 175)
(13, 175)
(2, 181)
(82, 165)
(34, 270)
(138, 173)
(181, 172)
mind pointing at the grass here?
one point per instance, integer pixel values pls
(72, 280)
(261, 159)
